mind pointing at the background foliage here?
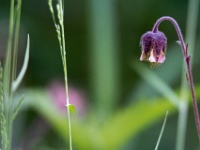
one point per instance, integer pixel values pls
(102, 37)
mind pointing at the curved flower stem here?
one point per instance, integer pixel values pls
(187, 61)
(180, 36)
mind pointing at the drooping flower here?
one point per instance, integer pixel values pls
(153, 47)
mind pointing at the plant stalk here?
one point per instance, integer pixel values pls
(188, 65)
(191, 27)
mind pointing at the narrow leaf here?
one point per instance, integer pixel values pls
(17, 82)
(17, 108)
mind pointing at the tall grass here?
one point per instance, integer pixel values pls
(9, 79)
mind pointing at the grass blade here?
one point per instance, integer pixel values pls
(161, 132)
(17, 108)
(18, 80)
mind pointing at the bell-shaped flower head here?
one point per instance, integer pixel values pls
(153, 47)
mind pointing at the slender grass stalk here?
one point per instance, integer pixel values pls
(161, 132)
(61, 38)
(8, 79)
(16, 36)
(7, 68)
(15, 30)
(191, 28)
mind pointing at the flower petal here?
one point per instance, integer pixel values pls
(152, 57)
(161, 58)
(143, 56)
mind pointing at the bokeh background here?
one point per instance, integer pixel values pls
(119, 102)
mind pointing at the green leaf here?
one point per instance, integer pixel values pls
(17, 82)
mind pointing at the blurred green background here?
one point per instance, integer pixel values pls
(117, 107)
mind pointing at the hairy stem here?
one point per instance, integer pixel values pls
(191, 27)
(187, 61)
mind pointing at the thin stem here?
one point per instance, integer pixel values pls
(65, 73)
(194, 102)
(16, 37)
(187, 61)
(61, 38)
(7, 70)
(180, 36)
(17, 15)
(10, 69)
(66, 88)
(161, 132)
(8, 78)
(191, 27)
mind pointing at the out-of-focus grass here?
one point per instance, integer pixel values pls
(104, 55)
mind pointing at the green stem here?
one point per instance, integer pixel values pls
(7, 70)
(61, 38)
(66, 87)
(161, 132)
(8, 79)
(15, 29)
(16, 37)
(65, 74)
(10, 68)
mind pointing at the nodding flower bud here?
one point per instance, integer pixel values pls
(153, 47)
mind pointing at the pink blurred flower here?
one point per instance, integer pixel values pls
(76, 97)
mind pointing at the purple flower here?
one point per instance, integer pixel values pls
(153, 47)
